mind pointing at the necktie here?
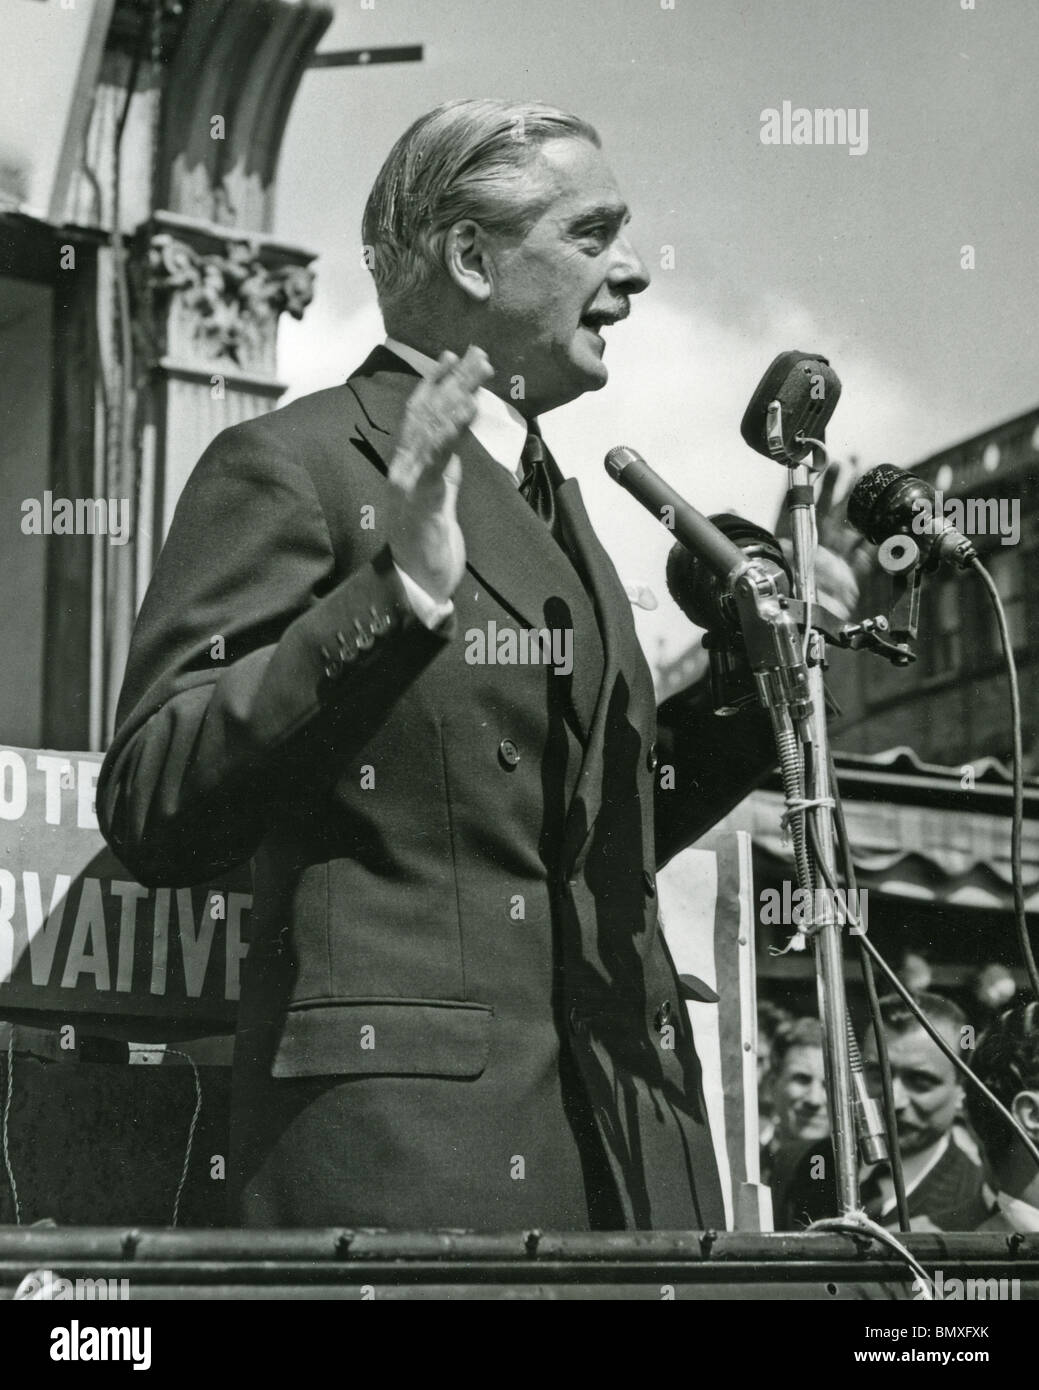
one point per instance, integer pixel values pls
(871, 1194)
(536, 485)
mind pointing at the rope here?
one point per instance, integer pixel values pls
(172, 1052)
(796, 806)
(858, 1223)
(7, 1115)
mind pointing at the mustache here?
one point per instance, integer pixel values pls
(614, 312)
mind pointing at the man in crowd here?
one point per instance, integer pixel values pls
(944, 1184)
(457, 1008)
(798, 1082)
(796, 1090)
(1007, 1060)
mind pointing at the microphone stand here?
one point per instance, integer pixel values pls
(826, 924)
(785, 647)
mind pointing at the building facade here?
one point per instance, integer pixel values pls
(951, 705)
(140, 293)
(923, 751)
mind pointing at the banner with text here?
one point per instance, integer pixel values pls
(78, 935)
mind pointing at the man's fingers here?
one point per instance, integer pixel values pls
(446, 363)
(468, 373)
(475, 368)
(453, 472)
(440, 411)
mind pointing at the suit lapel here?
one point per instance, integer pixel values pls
(625, 673)
(509, 551)
(507, 546)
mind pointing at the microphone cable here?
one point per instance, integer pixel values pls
(851, 891)
(859, 1224)
(887, 1086)
(936, 1037)
(1017, 761)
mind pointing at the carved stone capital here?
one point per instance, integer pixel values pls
(216, 298)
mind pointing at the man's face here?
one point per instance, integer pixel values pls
(926, 1092)
(799, 1095)
(554, 288)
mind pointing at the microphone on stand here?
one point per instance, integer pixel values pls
(791, 406)
(709, 602)
(628, 467)
(770, 634)
(786, 420)
(888, 501)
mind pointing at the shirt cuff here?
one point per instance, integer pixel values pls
(429, 612)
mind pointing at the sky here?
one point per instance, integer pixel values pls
(775, 246)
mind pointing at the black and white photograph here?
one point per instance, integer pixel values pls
(519, 719)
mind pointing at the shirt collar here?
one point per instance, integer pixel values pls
(937, 1153)
(498, 426)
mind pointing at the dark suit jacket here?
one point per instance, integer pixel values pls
(951, 1195)
(457, 1008)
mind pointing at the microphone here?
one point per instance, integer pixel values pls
(709, 601)
(770, 634)
(888, 501)
(628, 467)
(700, 593)
(792, 402)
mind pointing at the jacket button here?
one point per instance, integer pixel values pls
(649, 884)
(380, 623)
(508, 753)
(333, 664)
(652, 759)
(347, 651)
(662, 1016)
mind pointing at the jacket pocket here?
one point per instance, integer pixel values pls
(384, 1037)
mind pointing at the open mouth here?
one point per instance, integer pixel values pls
(598, 319)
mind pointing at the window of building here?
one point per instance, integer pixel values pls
(941, 629)
(1006, 567)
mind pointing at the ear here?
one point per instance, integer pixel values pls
(466, 260)
(1025, 1110)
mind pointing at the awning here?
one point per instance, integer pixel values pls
(918, 831)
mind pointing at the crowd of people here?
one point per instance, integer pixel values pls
(964, 1167)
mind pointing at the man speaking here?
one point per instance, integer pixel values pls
(457, 1009)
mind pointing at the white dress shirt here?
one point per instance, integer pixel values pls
(1019, 1214)
(500, 429)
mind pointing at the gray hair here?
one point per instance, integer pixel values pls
(463, 159)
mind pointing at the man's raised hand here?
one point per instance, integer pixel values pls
(428, 545)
